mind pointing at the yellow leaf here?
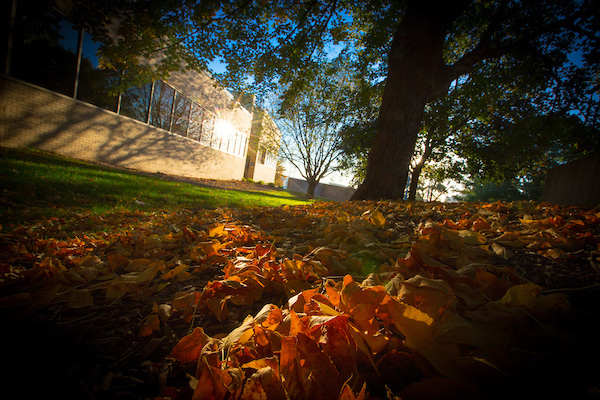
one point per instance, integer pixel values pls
(520, 295)
(471, 237)
(325, 309)
(417, 315)
(175, 271)
(414, 324)
(218, 230)
(150, 272)
(377, 219)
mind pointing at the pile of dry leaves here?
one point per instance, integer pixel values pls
(348, 300)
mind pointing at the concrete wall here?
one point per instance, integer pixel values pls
(261, 172)
(39, 118)
(576, 183)
(326, 191)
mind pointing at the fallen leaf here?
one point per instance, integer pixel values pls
(189, 348)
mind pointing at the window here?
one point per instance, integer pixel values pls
(49, 51)
(196, 118)
(162, 105)
(44, 48)
(217, 138)
(135, 102)
(208, 122)
(181, 114)
(94, 82)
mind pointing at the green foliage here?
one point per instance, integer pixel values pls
(510, 121)
(509, 59)
(503, 191)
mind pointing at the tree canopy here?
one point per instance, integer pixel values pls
(414, 51)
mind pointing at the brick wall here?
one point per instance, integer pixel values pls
(35, 117)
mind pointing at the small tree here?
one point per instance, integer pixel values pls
(312, 125)
(279, 173)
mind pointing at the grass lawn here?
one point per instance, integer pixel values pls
(36, 184)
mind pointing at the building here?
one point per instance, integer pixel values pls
(55, 97)
(576, 183)
(264, 142)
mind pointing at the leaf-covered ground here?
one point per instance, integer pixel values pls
(348, 300)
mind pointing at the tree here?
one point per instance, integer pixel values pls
(526, 123)
(279, 173)
(418, 47)
(435, 143)
(510, 120)
(312, 125)
(419, 74)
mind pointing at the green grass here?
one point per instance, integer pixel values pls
(39, 184)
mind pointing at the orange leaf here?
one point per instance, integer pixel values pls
(189, 348)
(274, 318)
(298, 325)
(290, 368)
(175, 271)
(361, 303)
(480, 223)
(212, 383)
(151, 325)
(348, 394)
(264, 384)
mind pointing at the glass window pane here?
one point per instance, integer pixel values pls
(238, 149)
(196, 117)
(243, 143)
(181, 115)
(162, 104)
(135, 102)
(44, 48)
(236, 143)
(95, 82)
(207, 130)
(230, 138)
(5, 11)
(216, 139)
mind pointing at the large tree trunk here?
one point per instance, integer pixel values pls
(417, 75)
